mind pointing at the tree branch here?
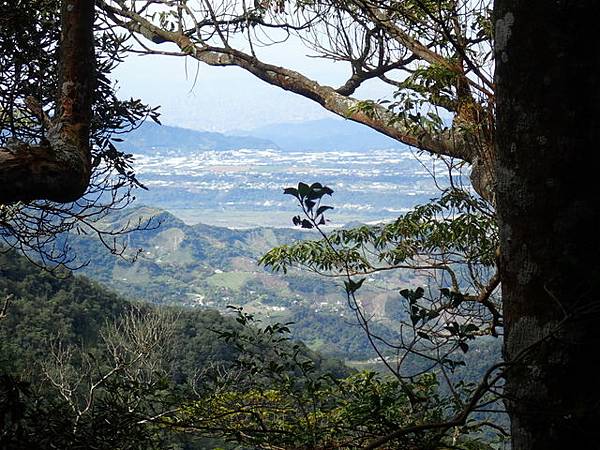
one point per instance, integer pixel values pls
(361, 76)
(378, 117)
(59, 168)
(4, 310)
(459, 419)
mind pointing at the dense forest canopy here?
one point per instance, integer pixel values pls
(82, 367)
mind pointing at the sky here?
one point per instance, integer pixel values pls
(227, 99)
(216, 99)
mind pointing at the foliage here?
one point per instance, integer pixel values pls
(452, 240)
(63, 335)
(274, 397)
(160, 373)
(29, 41)
(456, 228)
(58, 387)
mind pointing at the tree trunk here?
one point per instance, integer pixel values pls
(59, 169)
(548, 129)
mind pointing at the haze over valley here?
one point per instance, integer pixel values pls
(237, 181)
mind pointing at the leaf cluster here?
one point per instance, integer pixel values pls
(456, 227)
(309, 198)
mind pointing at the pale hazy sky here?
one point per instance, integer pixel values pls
(227, 99)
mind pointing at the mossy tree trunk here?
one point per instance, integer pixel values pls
(548, 132)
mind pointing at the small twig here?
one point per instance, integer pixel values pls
(3, 311)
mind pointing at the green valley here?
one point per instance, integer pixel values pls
(201, 266)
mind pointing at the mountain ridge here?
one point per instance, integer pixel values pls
(151, 137)
(323, 134)
(312, 135)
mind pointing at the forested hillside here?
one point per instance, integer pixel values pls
(81, 368)
(55, 329)
(202, 266)
(46, 307)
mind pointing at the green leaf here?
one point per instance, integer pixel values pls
(457, 299)
(423, 335)
(303, 189)
(470, 328)
(291, 191)
(306, 224)
(327, 190)
(432, 315)
(322, 209)
(452, 328)
(310, 204)
(353, 286)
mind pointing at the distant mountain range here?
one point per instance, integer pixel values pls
(324, 135)
(150, 137)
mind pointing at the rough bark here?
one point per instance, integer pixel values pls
(548, 128)
(59, 168)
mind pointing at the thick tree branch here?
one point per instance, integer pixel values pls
(59, 168)
(484, 299)
(377, 117)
